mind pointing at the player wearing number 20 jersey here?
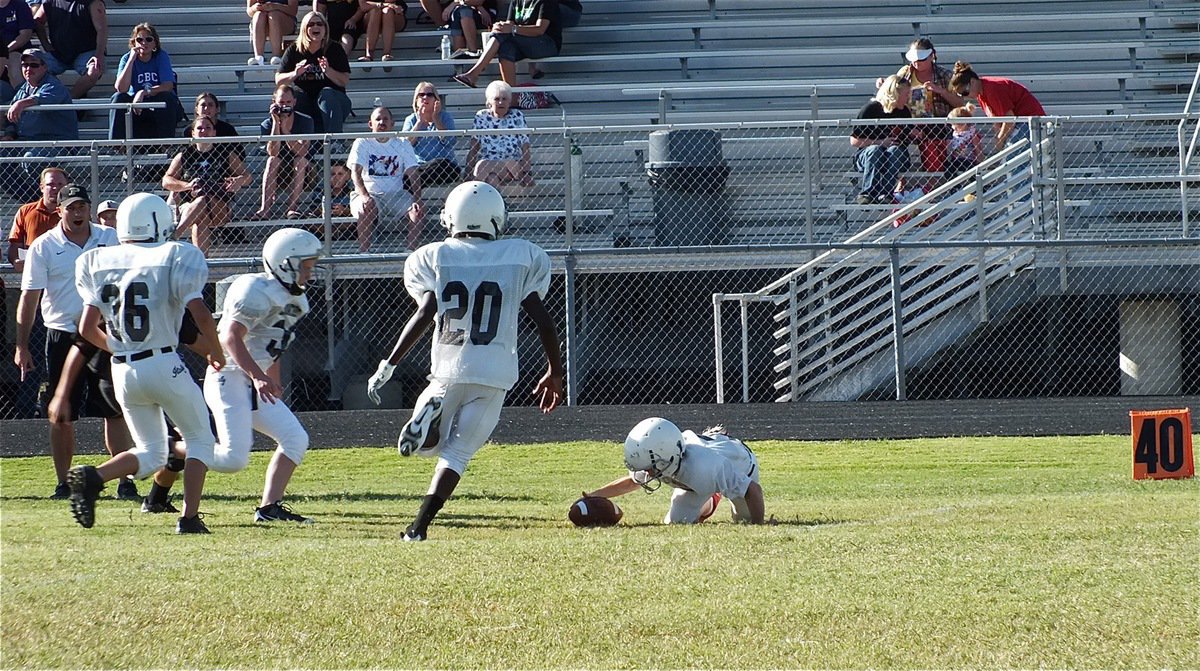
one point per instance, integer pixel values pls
(470, 288)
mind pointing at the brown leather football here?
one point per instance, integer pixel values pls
(594, 511)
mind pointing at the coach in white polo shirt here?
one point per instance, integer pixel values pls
(49, 276)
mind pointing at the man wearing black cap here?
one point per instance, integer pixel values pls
(49, 279)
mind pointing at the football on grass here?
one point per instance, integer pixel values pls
(594, 511)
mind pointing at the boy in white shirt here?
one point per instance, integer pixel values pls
(384, 172)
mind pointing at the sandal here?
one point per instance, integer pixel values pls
(386, 58)
(462, 79)
(365, 59)
(295, 214)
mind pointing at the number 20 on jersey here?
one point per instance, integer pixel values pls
(1162, 444)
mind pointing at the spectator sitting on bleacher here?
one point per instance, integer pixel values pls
(465, 19)
(78, 33)
(435, 154)
(270, 19)
(965, 149)
(320, 70)
(532, 30)
(931, 97)
(16, 30)
(384, 173)
(285, 158)
(883, 149)
(25, 124)
(998, 96)
(34, 219)
(145, 75)
(208, 105)
(569, 14)
(500, 159)
(345, 21)
(206, 176)
(384, 19)
(341, 187)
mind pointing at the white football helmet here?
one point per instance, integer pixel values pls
(475, 207)
(283, 252)
(144, 217)
(653, 449)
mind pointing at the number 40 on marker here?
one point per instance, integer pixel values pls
(1162, 444)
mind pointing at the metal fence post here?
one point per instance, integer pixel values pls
(743, 311)
(568, 190)
(94, 171)
(569, 280)
(793, 339)
(718, 347)
(898, 325)
(327, 196)
(809, 164)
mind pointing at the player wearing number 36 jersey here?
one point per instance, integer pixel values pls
(140, 290)
(469, 287)
(258, 321)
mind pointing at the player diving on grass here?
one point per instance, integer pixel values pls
(701, 469)
(468, 287)
(140, 289)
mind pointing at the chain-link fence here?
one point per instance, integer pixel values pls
(678, 247)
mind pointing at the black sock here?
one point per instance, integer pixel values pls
(430, 505)
(158, 493)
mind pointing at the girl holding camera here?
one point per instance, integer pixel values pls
(205, 176)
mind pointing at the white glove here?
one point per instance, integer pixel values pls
(380, 378)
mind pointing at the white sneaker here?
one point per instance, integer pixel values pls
(254, 60)
(417, 430)
(275, 60)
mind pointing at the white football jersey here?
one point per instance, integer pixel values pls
(268, 311)
(715, 463)
(479, 285)
(141, 290)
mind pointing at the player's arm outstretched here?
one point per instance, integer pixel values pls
(617, 487)
(413, 330)
(549, 389)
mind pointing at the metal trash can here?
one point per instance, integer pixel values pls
(687, 175)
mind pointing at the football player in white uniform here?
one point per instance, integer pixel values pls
(258, 322)
(468, 287)
(701, 468)
(140, 290)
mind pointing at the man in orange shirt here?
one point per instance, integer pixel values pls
(37, 217)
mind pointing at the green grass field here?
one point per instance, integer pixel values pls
(950, 553)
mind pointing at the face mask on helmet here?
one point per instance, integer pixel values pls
(144, 217)
(284, 254)
(653, 450)
(475, 208)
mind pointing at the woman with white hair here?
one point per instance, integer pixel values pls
(500, 159)
(883, 149)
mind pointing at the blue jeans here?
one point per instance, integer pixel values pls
(150, 123)
(881, 167)
(330, 111)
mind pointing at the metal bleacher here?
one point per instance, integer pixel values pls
(703, 61)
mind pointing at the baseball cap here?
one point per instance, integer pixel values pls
(34, 53)
(106, 206)
(914, 54)
(72, 193)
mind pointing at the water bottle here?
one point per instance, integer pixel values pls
(378, 102)
(576, 177)
(445, 47)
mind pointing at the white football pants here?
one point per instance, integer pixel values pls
(148, 387)
(470, 413)
(238, 413)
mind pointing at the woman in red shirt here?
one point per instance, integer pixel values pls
(998, 96)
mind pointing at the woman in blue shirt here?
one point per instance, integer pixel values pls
(436, 154)
(145, 75)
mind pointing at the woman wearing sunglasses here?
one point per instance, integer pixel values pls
(319, 68)
(145, 75)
